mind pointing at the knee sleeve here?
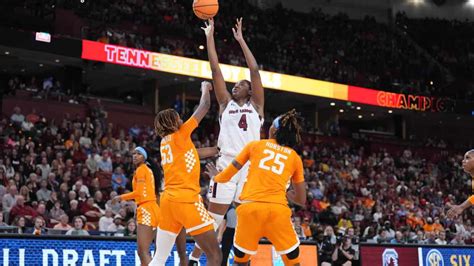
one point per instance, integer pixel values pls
(164, 243)
(292, 258)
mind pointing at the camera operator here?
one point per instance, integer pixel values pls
(343, 254)
(326, 246)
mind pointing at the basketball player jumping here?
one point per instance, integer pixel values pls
(241, 118)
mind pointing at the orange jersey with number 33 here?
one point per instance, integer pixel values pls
(180, 162)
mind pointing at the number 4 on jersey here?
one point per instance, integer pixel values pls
(243, 122)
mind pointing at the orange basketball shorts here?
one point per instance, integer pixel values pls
(256, 220)
(193, 216)
(148, 214)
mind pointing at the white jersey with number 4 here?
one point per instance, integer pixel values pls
(239, 126)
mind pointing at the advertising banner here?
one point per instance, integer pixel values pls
(132, 57)
(388, 255)
(47, 251)
(446, 256)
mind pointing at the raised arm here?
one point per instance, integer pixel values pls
(458, 209)
(258, 98)
(204, 103)
(207, 152)
(223, 96)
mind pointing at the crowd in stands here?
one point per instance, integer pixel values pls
(60, 177)
(328, 47)
(313, 44)
(450, 43)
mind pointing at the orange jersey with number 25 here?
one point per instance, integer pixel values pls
(272, 167)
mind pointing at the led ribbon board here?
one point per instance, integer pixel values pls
(131, 57)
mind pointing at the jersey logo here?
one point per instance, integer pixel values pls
(190, 160)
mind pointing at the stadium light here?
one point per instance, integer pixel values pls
(341, 110)
(358, 108)
(359, 116)
(390, 111)
(7, 52)
(470, 3)
(333, 104)
(201, 47)
(416, 2)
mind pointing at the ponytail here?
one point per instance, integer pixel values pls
(157, 174)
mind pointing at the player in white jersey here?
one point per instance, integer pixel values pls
(241, 118)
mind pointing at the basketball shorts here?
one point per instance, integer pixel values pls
(148, 214)
(256, 220)
(226, 193)
(193, 216)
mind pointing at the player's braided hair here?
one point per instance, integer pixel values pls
(166, 122)
(289, 131)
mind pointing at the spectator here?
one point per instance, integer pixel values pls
(116, 225)
(381, 237)
(43, 194)
(20, 223)
(441, 240)
(43, 212)
(343, 253)
(91, 210)
(17, 117)
(326, 246)
(44, 167)
(344, 223)
(458, 239)
(73, 209)
(91, 163)
(118, 179)
(306, 228)
(430, 238)
(56, 213)
(32, 117)
(105, 163)
(20, 209)
(79, 187)
(63, 223)
(131, 229)
(2, 222)
(38, 228)
(8, 201)
(297, 226)
(78, 229)
(106, 220)
(398, 238)
(470, 241)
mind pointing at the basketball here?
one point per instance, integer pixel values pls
(205, 9)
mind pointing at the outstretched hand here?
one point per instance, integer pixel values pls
(211, 170)
(209, 29)
(206, 85)
(238, 30)
(454, 211)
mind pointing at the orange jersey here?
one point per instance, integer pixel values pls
(181, 166)
(271, 168)
(143, 185)
(471, 199)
